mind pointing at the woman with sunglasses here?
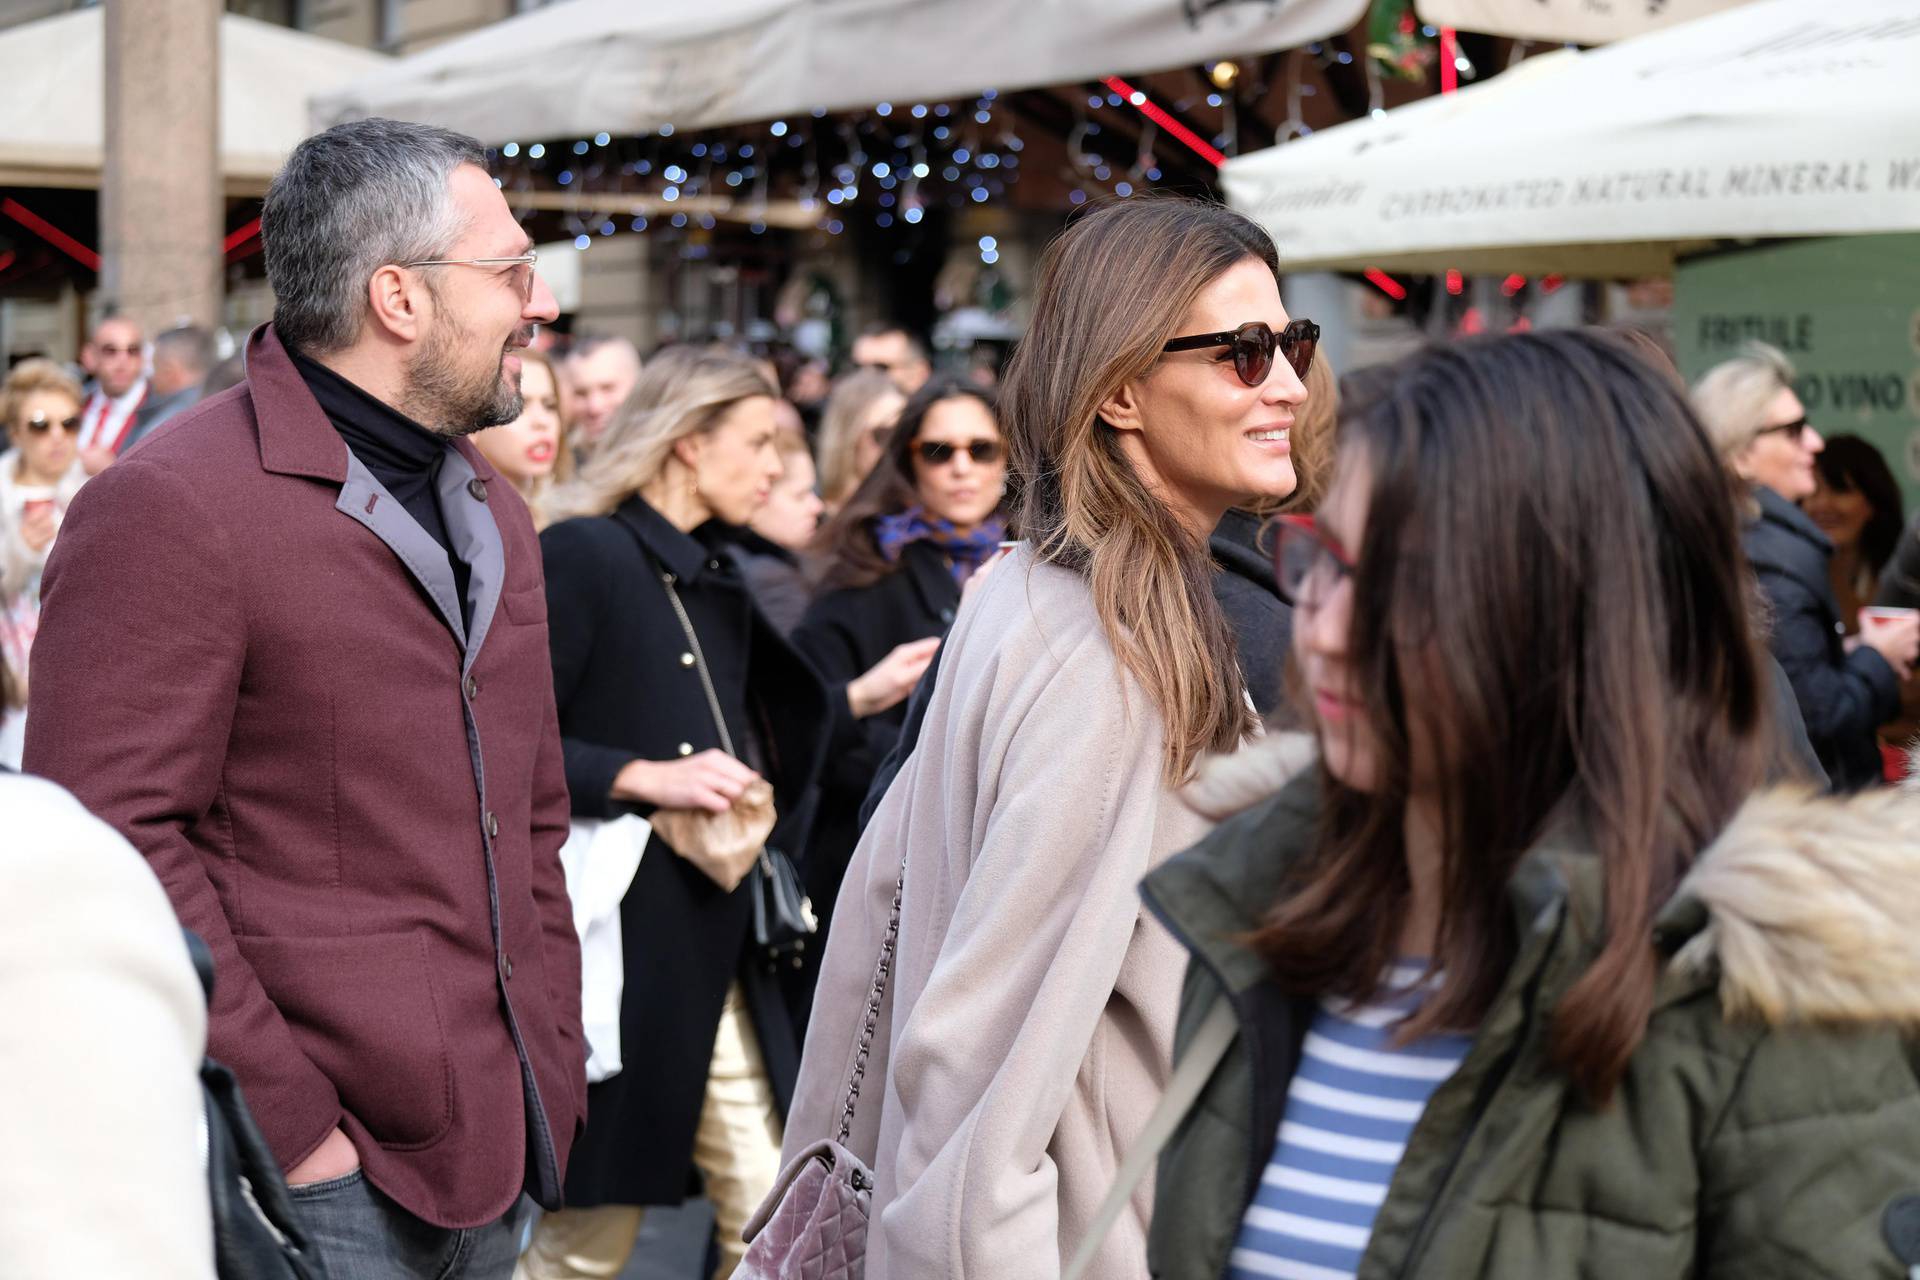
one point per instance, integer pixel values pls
(1531, 976)
(892, 564)
(39, 474)
(1847, 688)
(1025, 1030)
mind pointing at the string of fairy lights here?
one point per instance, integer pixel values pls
(891, 163)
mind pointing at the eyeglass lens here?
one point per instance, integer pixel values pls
(1253, 349)
(1305, 568)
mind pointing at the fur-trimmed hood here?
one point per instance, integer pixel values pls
(1813, 908)
(1806, 908)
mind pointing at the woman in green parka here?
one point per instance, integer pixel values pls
(1531, 976)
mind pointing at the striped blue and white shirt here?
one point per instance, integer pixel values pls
(1350, 1109)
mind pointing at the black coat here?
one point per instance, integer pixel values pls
(1262, 622)
(1843, 696)
(772, 573)
(625, 691)
(844, 633)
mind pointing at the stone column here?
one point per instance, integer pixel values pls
(160, 189)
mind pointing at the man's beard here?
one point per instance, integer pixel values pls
(449, 396)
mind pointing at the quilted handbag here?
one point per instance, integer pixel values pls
(813, 1226)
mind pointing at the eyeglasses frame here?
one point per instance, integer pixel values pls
(1286, 341)
(39, 424)
(971, 448)
(1286, 527)
(530, 260)
(1788, 429)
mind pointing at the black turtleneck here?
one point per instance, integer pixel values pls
(403, 455)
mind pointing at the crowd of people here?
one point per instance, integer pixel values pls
(1445, 817)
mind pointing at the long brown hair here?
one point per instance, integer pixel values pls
(1113, 288)
(1550, 598)
(848, 555)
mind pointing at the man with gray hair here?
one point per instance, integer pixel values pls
(295, 649)
(181, 358)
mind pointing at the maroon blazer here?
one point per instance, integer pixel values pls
(360, 810)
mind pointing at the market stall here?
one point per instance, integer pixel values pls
(1774, 119)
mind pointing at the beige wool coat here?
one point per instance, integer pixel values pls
(1032, 1001)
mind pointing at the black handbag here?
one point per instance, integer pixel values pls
(256, 1230)
(783, 918)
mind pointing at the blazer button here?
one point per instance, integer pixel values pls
(686, 748)
(713, 564)
(478, 488)
(493, 825)
(473, 687)
(946, 615)
(686, 659)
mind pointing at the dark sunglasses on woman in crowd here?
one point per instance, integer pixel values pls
(937, 453)
(1253, 346)
(39, 424)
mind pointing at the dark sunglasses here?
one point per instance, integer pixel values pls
(1253, 346)
(937, 453)
(1307, 564)
(1789, 429)
(40, 424)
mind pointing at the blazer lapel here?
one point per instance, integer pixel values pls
(364, 499)
(475, 537)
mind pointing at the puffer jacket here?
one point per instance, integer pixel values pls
(1767, 1128)
(1844, 695)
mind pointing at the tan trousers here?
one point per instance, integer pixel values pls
(737, 1150)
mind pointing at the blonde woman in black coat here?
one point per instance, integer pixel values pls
(708, 1050)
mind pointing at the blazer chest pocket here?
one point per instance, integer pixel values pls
(527, 605)
(363, 1010)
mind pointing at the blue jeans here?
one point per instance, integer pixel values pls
(363, 1235)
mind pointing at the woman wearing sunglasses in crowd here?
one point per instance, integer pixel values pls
(39, 474)
(1846, 688)
(1028, 1020)
(892, 563)
(1531, 976)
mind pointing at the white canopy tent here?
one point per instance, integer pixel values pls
(587, 66)
(1775, 119)
(52, 131)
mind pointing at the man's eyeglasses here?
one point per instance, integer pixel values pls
(1253, 346)
(39, 424)
(108, 349)
(528, 260)
(1307, 564)
(937, 453)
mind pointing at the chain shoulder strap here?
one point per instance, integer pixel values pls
(699, 663)
(881, 970)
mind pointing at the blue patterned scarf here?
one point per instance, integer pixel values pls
(965, 551)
